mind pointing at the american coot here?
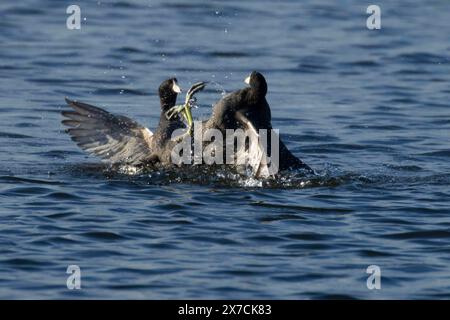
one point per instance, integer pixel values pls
(120, 140)
(248, 109)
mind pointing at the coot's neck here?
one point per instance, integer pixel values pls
(257, 92)
(167, 101)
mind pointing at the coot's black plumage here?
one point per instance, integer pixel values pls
(248, 109)
(120, 140)
(162, 144)
(250, 101)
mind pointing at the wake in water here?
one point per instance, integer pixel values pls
(223, 176)
(217, 176)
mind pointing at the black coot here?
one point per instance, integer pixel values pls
(120, 140)
(248, 109)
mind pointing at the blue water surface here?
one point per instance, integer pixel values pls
(367, 109)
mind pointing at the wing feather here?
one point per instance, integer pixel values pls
(254, 154)
(116, 139)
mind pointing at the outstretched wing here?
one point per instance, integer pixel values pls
(255, 153)
(116, 139)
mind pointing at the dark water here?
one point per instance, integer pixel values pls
(369, 110)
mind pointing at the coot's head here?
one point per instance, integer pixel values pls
(257, 82)
(168, 91)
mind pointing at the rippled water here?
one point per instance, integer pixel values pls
(368, 110)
